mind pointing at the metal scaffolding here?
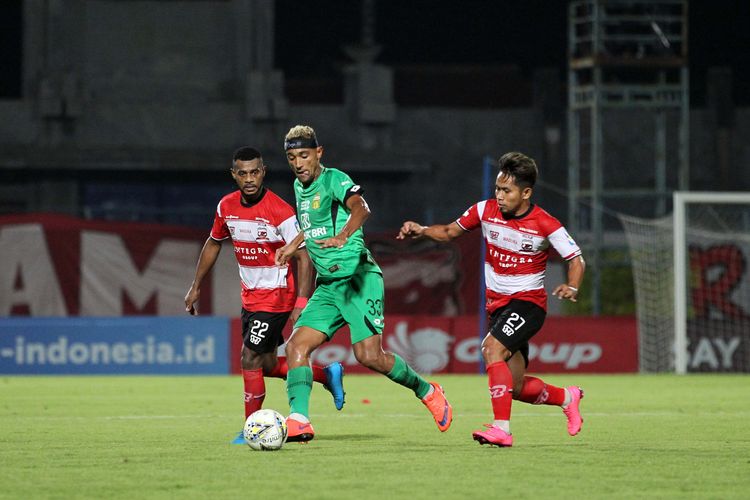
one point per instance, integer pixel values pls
(622, 54)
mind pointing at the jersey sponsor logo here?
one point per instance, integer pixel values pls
(333, 268)
(316, 201)
(527, 245)
(262, 233)
(231, 231)
(509, 259)
(315, 232)
(251, 251)
(495, 219)
(526, 229)
(344, 183)
(304, 205)
(232, 217)
(354, 188)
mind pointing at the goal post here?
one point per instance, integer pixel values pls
(691, 272)
(681, 200)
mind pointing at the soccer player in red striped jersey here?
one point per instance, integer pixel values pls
(519, 236)
(259, 223)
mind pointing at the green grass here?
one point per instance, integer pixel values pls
(168, 437)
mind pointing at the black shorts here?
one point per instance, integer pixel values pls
(515, 323)
(261, 331)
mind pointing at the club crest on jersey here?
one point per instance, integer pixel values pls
(262, 233)
(494, 235)
(316, 201)
(305, 221)
(527, 245)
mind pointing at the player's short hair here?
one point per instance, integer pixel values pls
(520, 167)
(245, 153)
(300, 136)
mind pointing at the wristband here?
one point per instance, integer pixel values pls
(571, 287)
(300, 303)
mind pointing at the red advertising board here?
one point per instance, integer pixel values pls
(451, 345)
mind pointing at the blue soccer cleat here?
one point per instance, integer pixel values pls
(335, 384)
(240, 439)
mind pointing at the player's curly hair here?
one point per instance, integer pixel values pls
(520, 167)
(301, 131)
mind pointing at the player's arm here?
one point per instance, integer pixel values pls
(284, 253)
(305, 274)
(437, 232)
(358, 214)
(569, 290)
(206, 261)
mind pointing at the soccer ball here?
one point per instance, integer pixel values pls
(265, 430)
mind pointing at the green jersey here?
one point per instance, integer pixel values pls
(322, 212)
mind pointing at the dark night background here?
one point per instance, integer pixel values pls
(524, 34)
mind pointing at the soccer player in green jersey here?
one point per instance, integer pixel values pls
(349, 287)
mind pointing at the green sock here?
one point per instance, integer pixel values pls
(403, 374)
(298, 387)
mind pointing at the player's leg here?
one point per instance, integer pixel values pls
(317, 324)
(362, 308)
(331, 376)
(299, 380)
(510, 329)
(535, 391)
(261, 333)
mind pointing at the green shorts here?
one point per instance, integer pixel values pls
(357, 301)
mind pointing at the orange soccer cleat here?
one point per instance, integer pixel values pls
(441, 409)
(301, 432)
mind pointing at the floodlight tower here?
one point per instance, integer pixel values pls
(622, 54)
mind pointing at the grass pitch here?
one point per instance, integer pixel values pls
(168, 437)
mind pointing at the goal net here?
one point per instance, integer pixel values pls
(692, 281)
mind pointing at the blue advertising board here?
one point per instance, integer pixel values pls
(127, 345)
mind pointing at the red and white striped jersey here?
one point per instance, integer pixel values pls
(257, 232)
(517, 251)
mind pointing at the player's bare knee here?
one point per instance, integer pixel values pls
(250, 360)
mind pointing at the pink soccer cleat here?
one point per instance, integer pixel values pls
(572, 413)
(493, 436)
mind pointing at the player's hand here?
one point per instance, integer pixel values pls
(190, 299)
(283, 255)
(410, 229)
(337, 241)
(566, 292)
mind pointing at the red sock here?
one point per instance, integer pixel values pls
(255, 390)
(536, 392)
(501, 389)
(281, 369)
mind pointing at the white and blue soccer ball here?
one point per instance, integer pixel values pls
(265, 430)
